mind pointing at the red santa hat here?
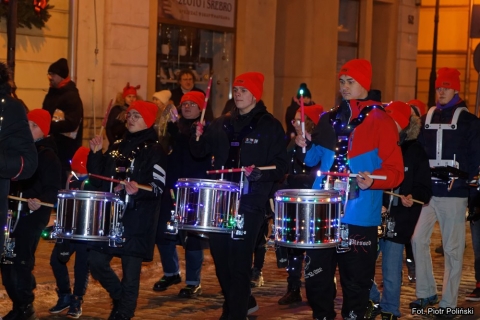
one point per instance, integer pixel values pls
(400, 113)
(79, 160)
(448, 78)
(360, 70)
(42, 119)
(252, 81)
(195, 97)
(129, 90)
(313, 112)
(148, 110)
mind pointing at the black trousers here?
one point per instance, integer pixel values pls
(357, 271)
(233, 261)
(294, 268)
(18, 278)
(260, 250)
(58, 260)
(125, 291)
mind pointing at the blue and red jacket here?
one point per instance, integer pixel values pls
(372, 146)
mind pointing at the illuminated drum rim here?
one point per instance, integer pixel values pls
(88, 195)
(208, 184)
(307, 196)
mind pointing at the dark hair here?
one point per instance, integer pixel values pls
(306, 92)
(184, 72)
(4, 77)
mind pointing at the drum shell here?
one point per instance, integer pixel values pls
(204, 205)
(87, 215)
(306, 218)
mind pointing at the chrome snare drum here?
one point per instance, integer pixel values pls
(306, 218)
(89, 215)
(206, 205)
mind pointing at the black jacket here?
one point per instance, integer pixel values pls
(141, 216)
(417, 182)
(463, 144)
(43, 184)
(262, 146)
(68, 100)
(115, 127)
(18, 155)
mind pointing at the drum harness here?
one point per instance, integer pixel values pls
(236, 138)
(444, 170)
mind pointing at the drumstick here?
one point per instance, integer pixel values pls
(398, 195)
(139, 186)
(239, 170)
(25, 200)
(207, 95)
(351, 175)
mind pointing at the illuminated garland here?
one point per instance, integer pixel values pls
(30, 13)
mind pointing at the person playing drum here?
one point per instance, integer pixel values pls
(140, 160)
(249, 137)
(181, 164)
(32, 217)
(374, 150)
(64, 249)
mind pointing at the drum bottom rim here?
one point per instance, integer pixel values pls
(205, 229)
(86, 238)
(307, 245)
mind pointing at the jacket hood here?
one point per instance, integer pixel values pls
(412, 131)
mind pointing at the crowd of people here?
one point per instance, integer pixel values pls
(401, 166)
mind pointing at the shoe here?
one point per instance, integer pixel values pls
(75, 310)
(63, 303)
(388, 316)
(373, 310)
(442, 313)
(252, 305)
(115, 304)
(190, 291)
(26, 312)
(293, 295)
(439, 250)
(423, 302)
(411, 271)
(474, 295)
(11, 315)
(120, 316)
(165, 282)
(256, 279)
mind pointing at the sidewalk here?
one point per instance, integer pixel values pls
(166, 305)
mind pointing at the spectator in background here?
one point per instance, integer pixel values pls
(115, 127)
(292, 109)
(186, 83)
(66, 109)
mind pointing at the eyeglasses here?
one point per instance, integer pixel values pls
(186, 79)
(189, 104)
(441, 89)
(134, 116)
(296, 122)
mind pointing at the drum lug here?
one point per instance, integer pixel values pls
(172, 225)
(115, 238)
(343, 246)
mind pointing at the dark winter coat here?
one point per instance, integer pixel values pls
(68, 100)
(463, 144)
(18, 155)
(141, 216)
(416, 181)
(43, 184)
(115, 127)
(262, 146)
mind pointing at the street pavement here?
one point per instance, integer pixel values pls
(167, 305)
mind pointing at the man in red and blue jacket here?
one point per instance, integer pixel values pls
(363, 139)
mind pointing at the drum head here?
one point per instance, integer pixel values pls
(88, 195)
(307, 195)
(208, 184)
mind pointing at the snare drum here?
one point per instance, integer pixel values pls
(206, 205)
(307, 218)
(87, 215)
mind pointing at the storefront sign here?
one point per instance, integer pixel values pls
(212, 12)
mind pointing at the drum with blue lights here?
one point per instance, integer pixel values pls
(306, 218)
(204, 205)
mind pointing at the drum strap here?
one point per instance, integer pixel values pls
(236, 139)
